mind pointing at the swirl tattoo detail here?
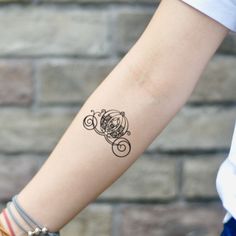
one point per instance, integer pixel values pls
(113, 125)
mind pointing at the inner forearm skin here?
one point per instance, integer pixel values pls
(150, 85)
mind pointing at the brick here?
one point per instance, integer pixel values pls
(169, 220)
(44, 30)
(16, 83)
(148, 178)
(16, 172)
(218, 81)
(28, 131)
(64, 82)
(96, 219)
(199, 176)
(203, 128)
(129, 25)
(229, 44)
(11, 1)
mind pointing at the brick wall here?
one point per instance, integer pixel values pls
(53, 54)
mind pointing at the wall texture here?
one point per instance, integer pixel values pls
(53, 54)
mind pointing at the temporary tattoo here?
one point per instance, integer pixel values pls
(113, 125)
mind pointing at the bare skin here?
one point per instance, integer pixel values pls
(150, 84)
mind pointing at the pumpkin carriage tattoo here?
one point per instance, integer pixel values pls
(113, 125)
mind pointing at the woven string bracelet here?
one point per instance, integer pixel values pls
(39, 229)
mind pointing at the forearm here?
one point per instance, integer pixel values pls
(149, 85)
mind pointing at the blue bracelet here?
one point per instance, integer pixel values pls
(39, 230)
(14, 219)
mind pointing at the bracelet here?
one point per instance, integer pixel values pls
(38, 228)
(14, 219)
(25, 216)
(8, 222)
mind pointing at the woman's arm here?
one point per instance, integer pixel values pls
(150, 85)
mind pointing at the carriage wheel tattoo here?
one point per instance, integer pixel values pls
(113, 125)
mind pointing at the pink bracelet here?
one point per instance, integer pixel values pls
(8, 223)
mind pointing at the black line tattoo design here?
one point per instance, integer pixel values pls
(113, 125)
